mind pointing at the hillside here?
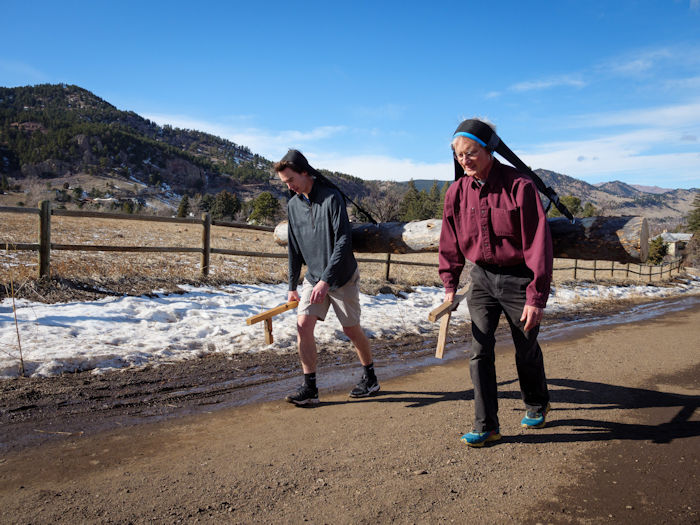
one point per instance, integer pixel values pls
(618, 198)
(65, 136)
(612, 198)
(59, 140)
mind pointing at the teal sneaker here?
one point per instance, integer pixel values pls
(479, 439)
(535, 418)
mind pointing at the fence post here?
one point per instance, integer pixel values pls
(388, 264)
(627, 272)
(594, 268)
(45, 239)
(575, 267)
(206, 243)
(649, 273)
(612, 268)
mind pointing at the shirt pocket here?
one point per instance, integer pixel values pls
(505, 222)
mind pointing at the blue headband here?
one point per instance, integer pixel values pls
(469, 136)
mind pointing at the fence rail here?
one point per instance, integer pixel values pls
(45, 246)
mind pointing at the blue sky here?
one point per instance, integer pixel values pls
(598, 90)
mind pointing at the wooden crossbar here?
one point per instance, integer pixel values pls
(444, 313)
(267, 316)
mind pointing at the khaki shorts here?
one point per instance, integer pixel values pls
(345, 301)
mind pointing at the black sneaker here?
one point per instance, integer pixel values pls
(366, 387)
(304, 396)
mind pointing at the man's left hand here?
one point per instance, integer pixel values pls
(532, 317)
(318, 294)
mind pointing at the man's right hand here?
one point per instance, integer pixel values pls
(293, 295)
(449, 297)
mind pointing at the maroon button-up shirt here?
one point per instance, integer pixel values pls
(499, 223)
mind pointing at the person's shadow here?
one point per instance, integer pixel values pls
(585, 395)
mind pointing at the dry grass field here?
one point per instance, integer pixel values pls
(22, 266)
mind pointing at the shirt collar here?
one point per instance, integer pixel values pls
(493, 181)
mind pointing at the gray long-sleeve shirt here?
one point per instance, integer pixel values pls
(320, 235)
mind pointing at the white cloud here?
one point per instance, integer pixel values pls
(664, 116)
(684, 57)
(270, 144)
(380, 167)
(622, 156)
(630, 156)
(536, 85)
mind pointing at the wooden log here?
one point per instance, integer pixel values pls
(386, 237)
(623, 239)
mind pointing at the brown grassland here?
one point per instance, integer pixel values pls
(166, 270)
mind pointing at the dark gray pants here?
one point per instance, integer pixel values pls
(496, 290)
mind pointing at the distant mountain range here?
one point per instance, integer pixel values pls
(65, 133)
(614, 198)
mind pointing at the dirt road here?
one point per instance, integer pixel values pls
(622, 446)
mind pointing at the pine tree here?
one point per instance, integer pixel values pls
(205, 203)
(573, 204)
(434, 201)
(589, 210)
(265, 208)
(657, 250)
(184, 209)
(414, 205)
(694, 215)
(443, 192)
(225, 205)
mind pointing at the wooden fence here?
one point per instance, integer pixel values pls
(44, 246)
(613, 269)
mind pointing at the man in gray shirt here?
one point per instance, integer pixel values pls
(319, 235)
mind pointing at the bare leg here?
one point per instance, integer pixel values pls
(359, 339)
(307, 342)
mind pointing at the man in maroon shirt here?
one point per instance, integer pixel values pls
(493, 217)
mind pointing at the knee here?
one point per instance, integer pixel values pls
(305, 327)
(353, 331)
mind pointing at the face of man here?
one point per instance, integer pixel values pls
(297, 182)
(474, 159)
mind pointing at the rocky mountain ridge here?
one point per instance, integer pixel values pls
(65, 133)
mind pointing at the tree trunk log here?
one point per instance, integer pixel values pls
(622, 239)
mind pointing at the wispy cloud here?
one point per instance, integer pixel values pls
(548, 83)
(611, 156)
(379, 167)
(10, 69)
(641, 62)
(271, 144)
(664, 116)
(624, 145)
